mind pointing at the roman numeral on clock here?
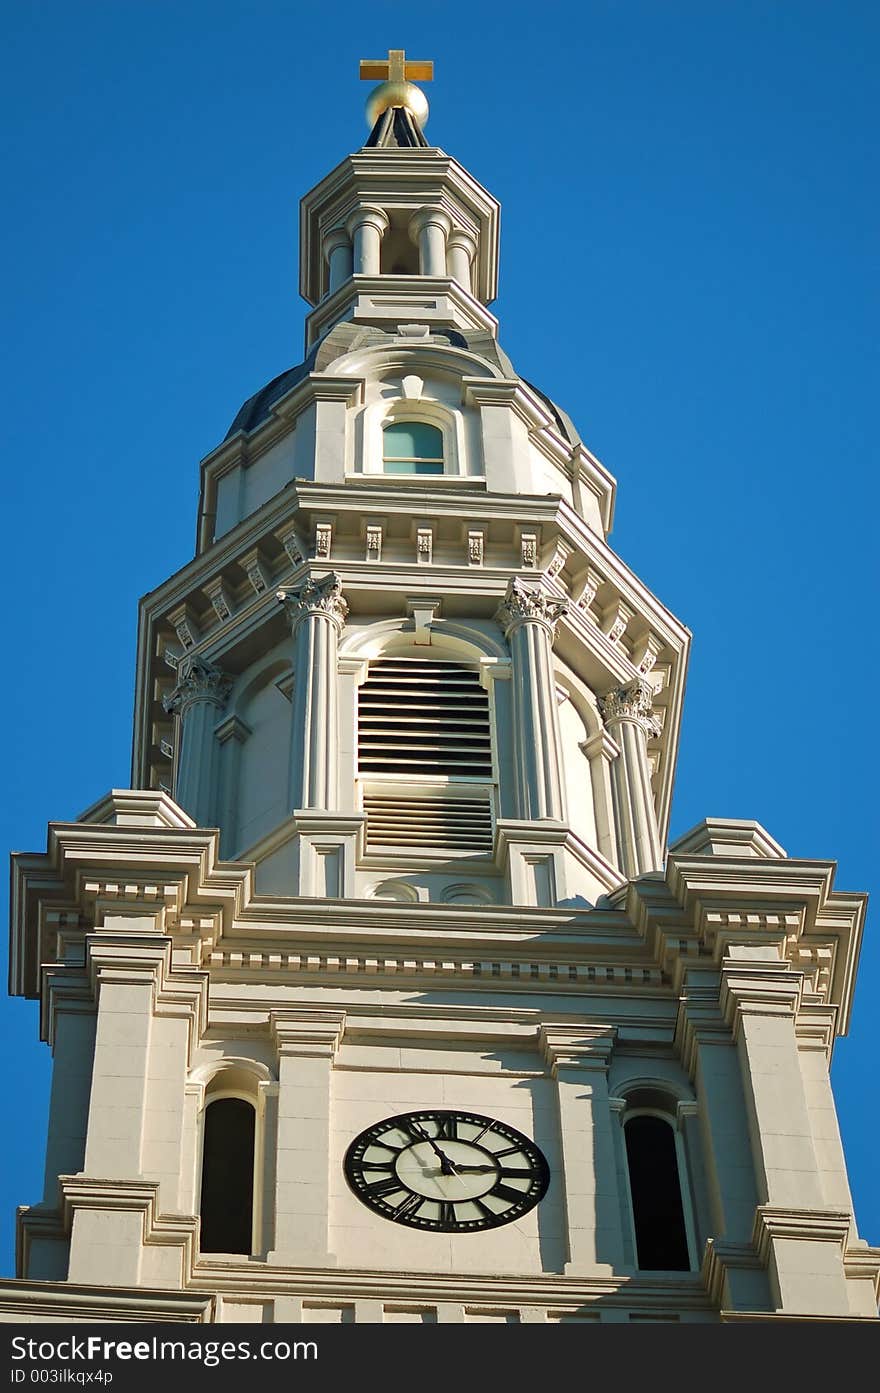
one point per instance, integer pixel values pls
(507, 1192)
(409, 1206)
(447, 1128)
(384, 1187)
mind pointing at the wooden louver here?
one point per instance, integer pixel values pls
(425, 718)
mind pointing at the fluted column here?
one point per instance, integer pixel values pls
(429, 228)
(461, 248)
(628, 714)
(366, 227)
(317, 613)
(528, 617)
(198, 699)
(338, 251)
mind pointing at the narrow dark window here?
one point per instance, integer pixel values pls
(228, 1177)
(661, 1238)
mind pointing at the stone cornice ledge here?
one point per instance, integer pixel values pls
(823, 1225)
(685, 1290)
(745, 895)
(27, 1300)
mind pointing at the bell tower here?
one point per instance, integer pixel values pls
(381, 995)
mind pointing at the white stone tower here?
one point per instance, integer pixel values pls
(379, 996)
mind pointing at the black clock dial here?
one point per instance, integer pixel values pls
(454, 1172)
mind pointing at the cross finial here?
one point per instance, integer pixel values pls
(396, 69)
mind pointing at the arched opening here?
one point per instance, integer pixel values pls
(425, 762)
(655, 1191)
(227, 1193)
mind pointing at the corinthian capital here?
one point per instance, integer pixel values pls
(635, 702)
(322, 596)
(197, 680)
(525, 604)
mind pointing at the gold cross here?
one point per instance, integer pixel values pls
(396, 69)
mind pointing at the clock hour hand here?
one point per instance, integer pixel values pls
(447, 1167)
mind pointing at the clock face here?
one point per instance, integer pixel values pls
(454, 1172)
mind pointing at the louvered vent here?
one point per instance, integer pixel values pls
(423, 719)
(419, 822)
(416, 716)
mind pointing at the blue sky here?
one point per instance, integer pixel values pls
(688, 266)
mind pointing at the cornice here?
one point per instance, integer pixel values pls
(684, 932)
(26, 1300)
(386, 300)
(709, 908)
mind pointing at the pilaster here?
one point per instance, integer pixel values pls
(801, 1240)
(578, 1059)
(307, 1042)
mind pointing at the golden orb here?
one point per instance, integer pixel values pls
(397, 94)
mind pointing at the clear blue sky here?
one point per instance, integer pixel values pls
(688, 266)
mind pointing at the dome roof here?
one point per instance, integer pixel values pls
(258, 408)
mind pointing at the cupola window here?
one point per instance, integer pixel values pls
(412, 447)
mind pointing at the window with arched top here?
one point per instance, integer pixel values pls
(227, 1190)
(656, 1193)
(412, 447)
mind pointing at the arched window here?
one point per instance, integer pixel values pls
(656, 1194)
(412, 447)
(227, 1194)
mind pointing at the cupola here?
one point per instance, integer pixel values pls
(398, 232)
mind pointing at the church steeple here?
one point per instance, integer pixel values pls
(487, 685)
(381, 980)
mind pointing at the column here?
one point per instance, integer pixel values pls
(366, 227)
(317, 612)
(629, 720)
(461, 248)
(801, 1239)
(578, 1059)
(198, 700)
(307, 1042)
(338, 251)
(528, 617)
(429, 228)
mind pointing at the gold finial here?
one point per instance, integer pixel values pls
(396, 87)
